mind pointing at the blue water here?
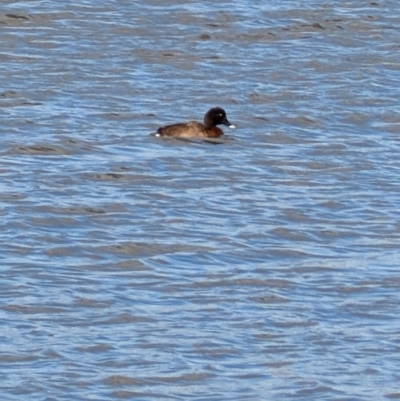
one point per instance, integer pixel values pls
(264, 267)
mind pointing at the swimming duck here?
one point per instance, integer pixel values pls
(192, 129)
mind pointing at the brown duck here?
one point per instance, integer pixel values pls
(192, 129)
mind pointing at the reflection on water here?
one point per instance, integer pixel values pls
(135, 267)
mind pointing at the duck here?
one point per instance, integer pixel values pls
(193, 129)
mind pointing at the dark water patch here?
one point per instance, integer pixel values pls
(126, 249)
(23, 309)
(118, 381)
(40, 149)
(14, 19)
(126, 318)
(393, 396)
(99, 348)
(124, 394)
(126, 177)
(154, 249)
(9, 94)
(15, 16)
(268, 299)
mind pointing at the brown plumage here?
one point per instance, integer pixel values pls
(192, 129)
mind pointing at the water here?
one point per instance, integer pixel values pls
(265, 267)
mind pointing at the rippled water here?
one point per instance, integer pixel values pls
(264, 267)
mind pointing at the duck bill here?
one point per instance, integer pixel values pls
(228, 124)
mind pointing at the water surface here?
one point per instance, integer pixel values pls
(265, 267)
